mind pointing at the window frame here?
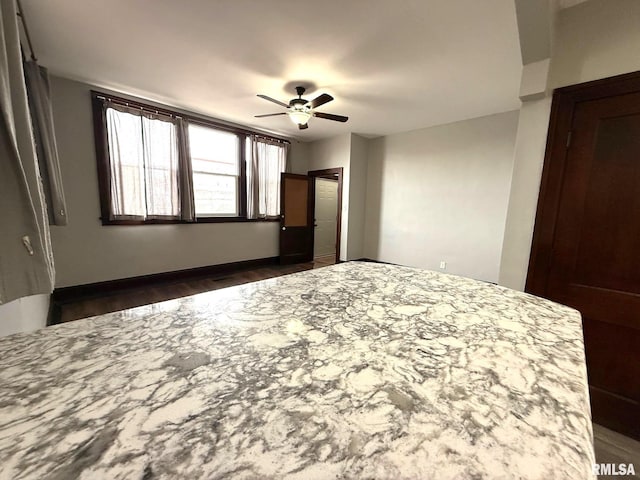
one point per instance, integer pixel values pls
(103, 160)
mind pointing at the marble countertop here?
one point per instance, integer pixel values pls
(358, 370)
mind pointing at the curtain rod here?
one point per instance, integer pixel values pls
(271, 139)
(135, 106)
(195, 118)
(26, 31)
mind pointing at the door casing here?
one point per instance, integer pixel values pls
(333, 174)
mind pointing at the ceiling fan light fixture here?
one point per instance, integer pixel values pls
(299, 117)
(300, 110)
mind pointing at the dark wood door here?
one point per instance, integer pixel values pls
(296, 219)
(593, 263)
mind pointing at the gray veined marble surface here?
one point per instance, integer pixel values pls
(352, 371)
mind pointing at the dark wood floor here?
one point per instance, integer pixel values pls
(167, 291)
(613, 447)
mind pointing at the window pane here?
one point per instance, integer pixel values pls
(213, 151)
(215, 194)
(215, 162)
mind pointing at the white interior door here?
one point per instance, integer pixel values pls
(326, 212)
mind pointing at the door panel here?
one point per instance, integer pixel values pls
(296, 191)
(326, 211)
(592, 224)
(613, 187)
(296, 225)
(612, 349)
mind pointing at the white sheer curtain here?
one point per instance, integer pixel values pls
(266, 160)
(143, 153)
(160, 150)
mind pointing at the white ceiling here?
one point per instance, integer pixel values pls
(392, 65)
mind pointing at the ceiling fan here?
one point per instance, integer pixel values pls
(300, 110)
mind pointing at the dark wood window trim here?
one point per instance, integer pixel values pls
(198, 220)
(102, 157)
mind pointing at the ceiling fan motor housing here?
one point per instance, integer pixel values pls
(298, 103)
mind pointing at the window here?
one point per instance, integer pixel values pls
(143, 164)
(215, 160)
(157, 166)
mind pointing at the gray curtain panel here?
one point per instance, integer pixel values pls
(42, 115)
(253, 182)
(187, 201)
(26, 259)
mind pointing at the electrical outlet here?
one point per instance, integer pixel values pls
(443, 265)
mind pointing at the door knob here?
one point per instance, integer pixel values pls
(284, 228)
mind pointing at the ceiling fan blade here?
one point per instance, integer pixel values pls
(270, 115)
(304, 126)
(282, 104)
(320, 100)
(330, 116)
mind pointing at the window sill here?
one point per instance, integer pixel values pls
(184, 222)
(232, 220)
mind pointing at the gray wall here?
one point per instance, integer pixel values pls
(596, 39)
(85, 251)
(440, 194)
(531, 142)
(357, 196)
(299, 157)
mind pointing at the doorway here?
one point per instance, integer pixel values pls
(296, 218)
(327, 214)
(324, 216)
(585, 251)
